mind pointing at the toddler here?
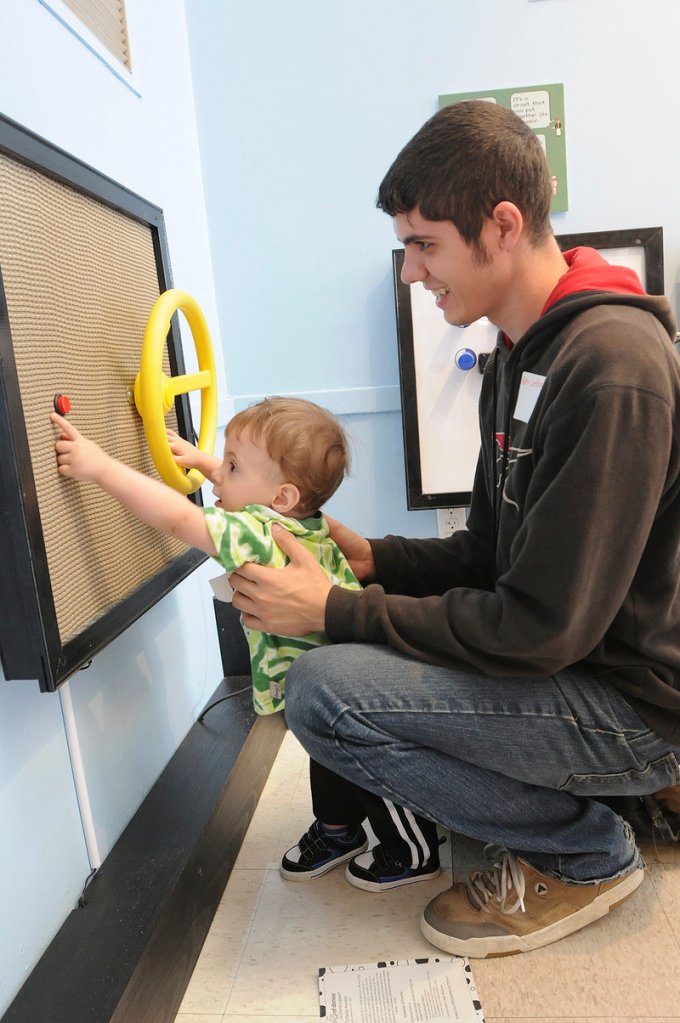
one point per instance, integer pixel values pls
(283, 459)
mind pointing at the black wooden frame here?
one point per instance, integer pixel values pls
(30, 645)
(649, 238)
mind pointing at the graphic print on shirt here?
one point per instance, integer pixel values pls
(246, 536)
(505, 463)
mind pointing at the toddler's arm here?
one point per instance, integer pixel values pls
(148, 499)
(190, 457)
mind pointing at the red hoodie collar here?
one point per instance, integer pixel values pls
(589, 271)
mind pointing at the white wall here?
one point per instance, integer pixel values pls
(136, 702)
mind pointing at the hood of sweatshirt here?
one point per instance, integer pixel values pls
(589, 271)
(591, 280)
(588, 278)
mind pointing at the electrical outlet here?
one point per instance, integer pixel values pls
(450, 519)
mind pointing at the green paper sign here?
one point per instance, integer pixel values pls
(542, 108)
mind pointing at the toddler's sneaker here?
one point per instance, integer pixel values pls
(379, 870)
(317, 852)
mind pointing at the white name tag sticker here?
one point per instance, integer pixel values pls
(529, 390)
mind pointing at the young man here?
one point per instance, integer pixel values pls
(500, 680)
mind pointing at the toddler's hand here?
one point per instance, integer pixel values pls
(183, 452)
(77, 457)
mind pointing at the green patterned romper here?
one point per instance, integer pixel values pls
(245, 536)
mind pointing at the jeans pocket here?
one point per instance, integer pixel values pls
(655, 775)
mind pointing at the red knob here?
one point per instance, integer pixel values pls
(62, 404)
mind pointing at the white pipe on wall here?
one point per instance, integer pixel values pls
(78, 771)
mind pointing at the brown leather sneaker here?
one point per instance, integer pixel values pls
(512, 908)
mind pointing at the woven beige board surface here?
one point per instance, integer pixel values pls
(80, 280)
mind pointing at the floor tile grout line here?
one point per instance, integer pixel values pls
(243, 943)
(246, 934)
(223, 1016)
(675, 934)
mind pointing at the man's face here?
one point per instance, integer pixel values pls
(247, 474)
(460, 275)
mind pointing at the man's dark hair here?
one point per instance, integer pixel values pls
(465, 160)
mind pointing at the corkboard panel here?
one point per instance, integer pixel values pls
(80, 277)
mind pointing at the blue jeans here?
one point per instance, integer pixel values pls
(511, 761)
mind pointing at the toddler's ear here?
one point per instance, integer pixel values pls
(287, 498)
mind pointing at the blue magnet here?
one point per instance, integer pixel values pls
(465, 358)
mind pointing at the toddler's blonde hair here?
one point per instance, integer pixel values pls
(305, 440)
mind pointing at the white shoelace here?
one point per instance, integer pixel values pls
(505, 876)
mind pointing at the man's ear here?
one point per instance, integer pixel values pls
(287, 498)
(508, 223)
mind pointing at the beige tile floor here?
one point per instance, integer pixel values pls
(268, 938)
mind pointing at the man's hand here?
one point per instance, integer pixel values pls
(78, 457)
(290, 601)
(356, 549)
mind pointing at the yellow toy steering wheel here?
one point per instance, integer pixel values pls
(155, 392)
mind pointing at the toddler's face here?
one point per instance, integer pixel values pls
(247, 474)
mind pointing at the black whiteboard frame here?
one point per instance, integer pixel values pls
(649, 239)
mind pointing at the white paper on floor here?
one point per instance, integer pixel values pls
(438, 989)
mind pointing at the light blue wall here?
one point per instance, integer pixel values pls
(301, 106)
(302, 258)
(135, 704)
